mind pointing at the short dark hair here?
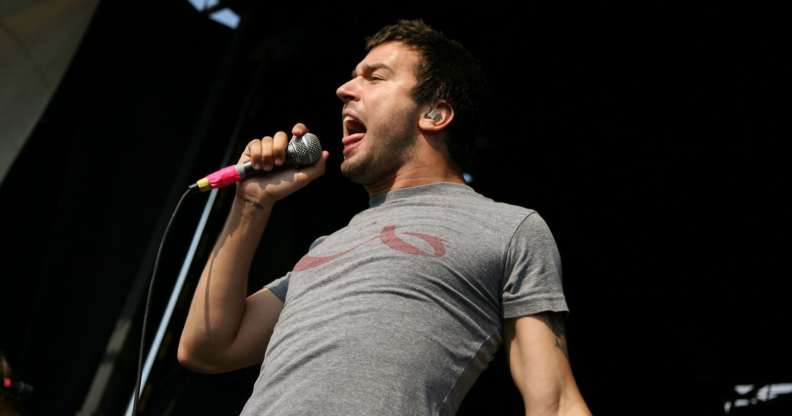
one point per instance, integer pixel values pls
(447, 71)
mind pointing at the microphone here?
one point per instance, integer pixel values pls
(301, 151)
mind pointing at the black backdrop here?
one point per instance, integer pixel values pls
(648, 137)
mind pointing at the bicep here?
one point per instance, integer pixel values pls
(262, 310)
(536, 348)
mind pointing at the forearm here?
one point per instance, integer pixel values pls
(218, 303)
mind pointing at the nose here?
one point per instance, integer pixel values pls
(347, 92)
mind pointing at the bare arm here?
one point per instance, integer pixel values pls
(220, 309)
(226, 329)
(536, 347)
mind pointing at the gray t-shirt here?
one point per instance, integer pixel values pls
(399, 312)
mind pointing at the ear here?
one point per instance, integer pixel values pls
(436, 118)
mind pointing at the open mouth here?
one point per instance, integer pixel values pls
(355, 132)
(353, 125)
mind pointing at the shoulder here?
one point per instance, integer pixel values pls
(512, 216)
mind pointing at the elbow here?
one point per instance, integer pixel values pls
(193, 362)
(185, 359)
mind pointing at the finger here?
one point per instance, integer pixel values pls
(279, 144)
(253, 152)
(299, 129)
(266, 153)
(316, 170)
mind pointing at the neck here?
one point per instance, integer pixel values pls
(410, 179)
(425, 165)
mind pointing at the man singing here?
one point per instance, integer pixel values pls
(399, 312)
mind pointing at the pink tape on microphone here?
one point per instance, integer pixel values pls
(223, 177)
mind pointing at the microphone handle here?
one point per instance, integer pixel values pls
(246, 169)
(237, 173)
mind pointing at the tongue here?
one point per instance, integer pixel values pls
(353, 137)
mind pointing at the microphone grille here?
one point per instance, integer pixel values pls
(304, 150)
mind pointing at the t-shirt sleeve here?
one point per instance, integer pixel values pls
(280, 286)
(532, 273)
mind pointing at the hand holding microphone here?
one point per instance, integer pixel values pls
(277, 159)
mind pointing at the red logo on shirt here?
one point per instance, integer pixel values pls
(389, 238)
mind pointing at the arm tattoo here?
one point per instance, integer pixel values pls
(555, 321)
(255, 204)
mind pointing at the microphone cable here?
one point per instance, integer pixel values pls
(192, 188)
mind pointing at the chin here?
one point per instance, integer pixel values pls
(350, 170)
(357, 171)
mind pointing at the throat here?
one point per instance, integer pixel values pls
(410, 176)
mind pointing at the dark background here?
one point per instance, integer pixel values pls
(649, 138)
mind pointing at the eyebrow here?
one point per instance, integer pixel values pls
(371, 68)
